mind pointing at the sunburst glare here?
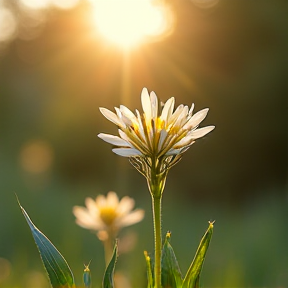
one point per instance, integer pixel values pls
(128, 23)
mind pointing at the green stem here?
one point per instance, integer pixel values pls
(157, 239)
(156, 183)
(108, 247)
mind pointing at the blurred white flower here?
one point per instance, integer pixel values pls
(107, 214)
(158, 132)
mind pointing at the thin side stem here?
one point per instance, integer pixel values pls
(157, 240)
(108, 248)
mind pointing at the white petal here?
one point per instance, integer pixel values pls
(182, 117)
(163, 136)
(118, 112)
(133, 140)
(198, 133)
(131, 218)
(124, 136)
(84, 219)
(196, 119)
(168, 109)
(176, 114)
(100, 201)
(184, 142)
(127, 121)
(112, 117)
(184, 149)
(91, 206)
(114, 140)
(154, 105)
(126, 205)
(127, 152)
(127, 115)
(191, 110)
(173, 152)
(141, 129)
(146, 104)
(112, 199)
(127, 112)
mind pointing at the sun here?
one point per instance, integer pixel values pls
(129, 22)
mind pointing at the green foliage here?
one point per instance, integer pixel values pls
(171, 274)
(191, 279)
(59, 273)
(149, 270)
(109, 273)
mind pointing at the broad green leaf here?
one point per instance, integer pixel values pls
(149, 270)
(191, 279)
(59, 273)
(170, 271)
(109, 273)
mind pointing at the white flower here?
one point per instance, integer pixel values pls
(107, 213)
(159, 131)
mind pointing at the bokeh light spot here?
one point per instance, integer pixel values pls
(5, 269)
(129, 22)
(36, 4)
(31, 23)
(8, 24)
(64, 4)
(36, 279)
(36, 157)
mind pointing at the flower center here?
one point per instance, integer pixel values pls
(108, 215)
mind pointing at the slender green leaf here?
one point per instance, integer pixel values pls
(170, 271)
(191, 279)
(109, 273)
(58, 271)
(149, 270)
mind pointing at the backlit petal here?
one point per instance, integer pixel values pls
(126, 205)
(163, 136)
(196, 119)
(191, 110)
(112, 117)
(114, 140)
(168, 109)
(198, 133)
(91, 206)
(146, 104)
(184, 142)
(112, 199)
(84, 219)
(131, 218)
(173, 152)
(127, 152)
(154, 105)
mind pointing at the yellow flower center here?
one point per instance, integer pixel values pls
(108, 215)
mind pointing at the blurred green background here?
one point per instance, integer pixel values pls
(56, 70)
